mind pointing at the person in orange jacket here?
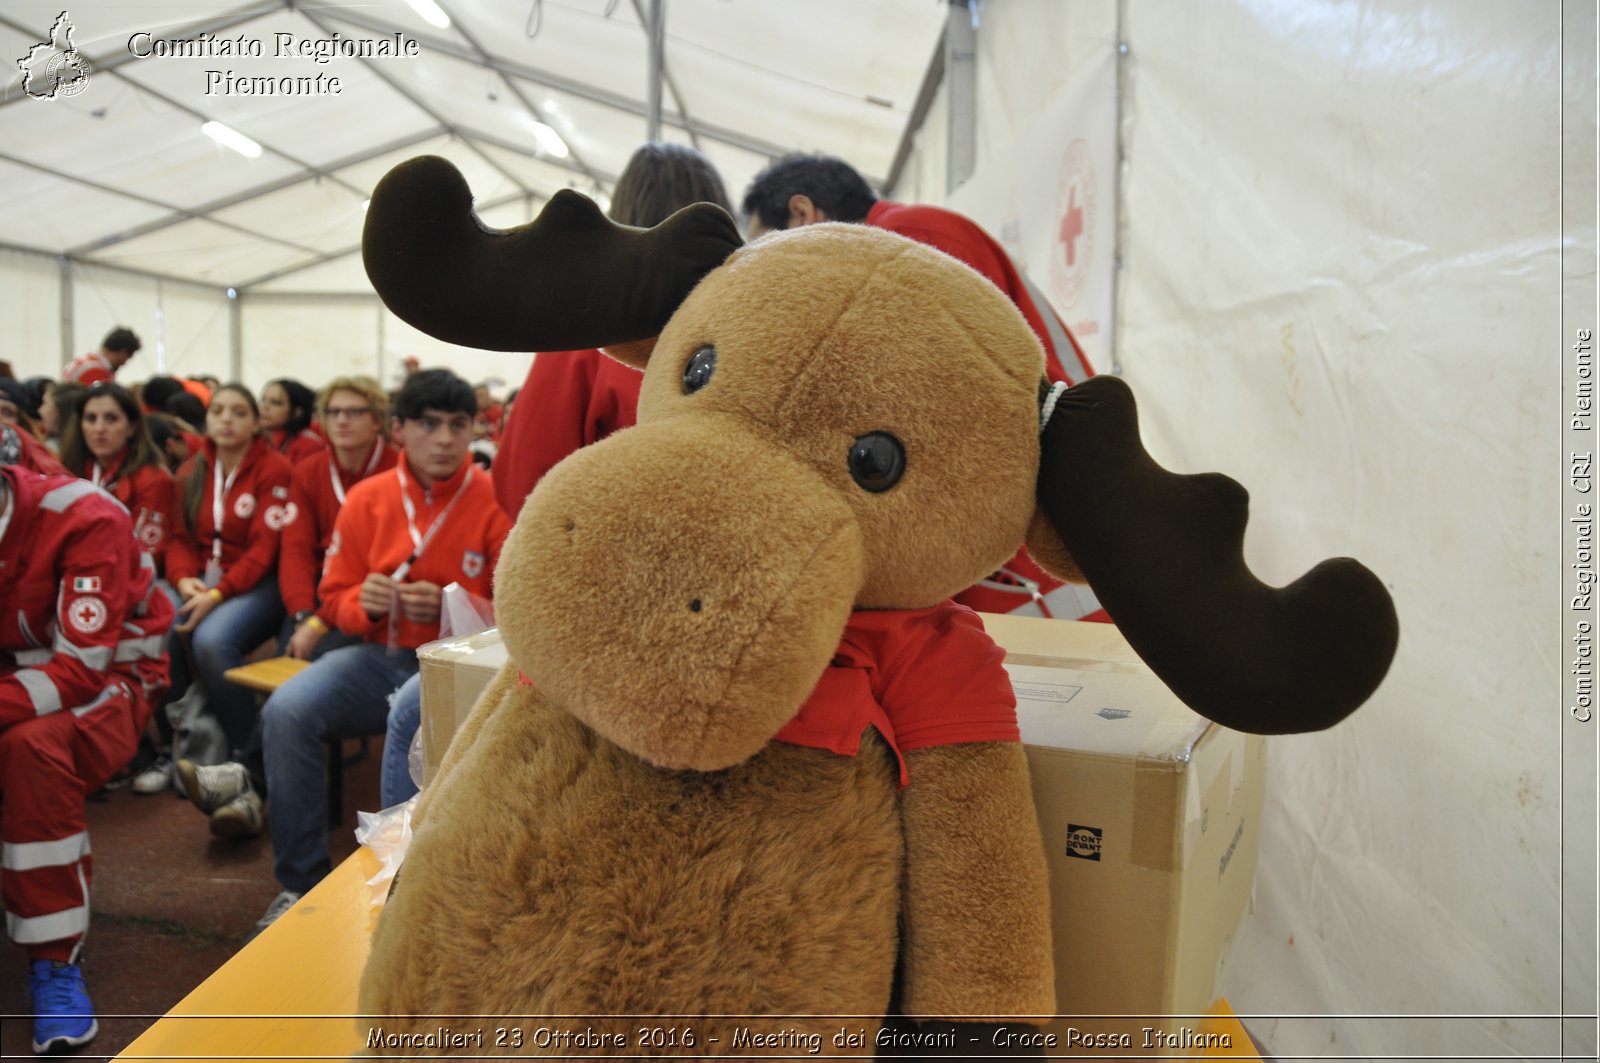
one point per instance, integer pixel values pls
(401, 538)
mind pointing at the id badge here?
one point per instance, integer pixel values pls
(213, 574)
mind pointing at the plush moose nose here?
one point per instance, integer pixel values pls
(687, 581)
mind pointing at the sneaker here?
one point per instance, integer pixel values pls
(242, 817)
(210, 787)
(155, 778)
(62, 1015)
(280, 904)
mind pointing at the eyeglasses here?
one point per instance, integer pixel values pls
(334, 413)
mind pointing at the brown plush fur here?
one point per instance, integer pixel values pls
(555, 874)
(973, 825)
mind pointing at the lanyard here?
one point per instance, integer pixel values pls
(420, 540)
(104, 477)
(219, 493)
(333, 469)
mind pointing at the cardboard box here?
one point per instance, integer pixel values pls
(454, 672)
(1151, 820)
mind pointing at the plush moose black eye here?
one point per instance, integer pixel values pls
(877, 461)
(697, 374)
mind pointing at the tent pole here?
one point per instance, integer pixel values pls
(658, 50)
(236, 336)
(961, 75)
(66, 311)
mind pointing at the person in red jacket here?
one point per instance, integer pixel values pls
(106, 443)
(286, 409)
(96, 367)
(802, 189)
(81, 660)
(233, 500)
(401, 538)
(355, 411)
(19, 448)
(573, 398)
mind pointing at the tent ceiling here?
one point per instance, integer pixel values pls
(120, 174)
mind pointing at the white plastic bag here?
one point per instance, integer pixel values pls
(464, 613)
(388, 835)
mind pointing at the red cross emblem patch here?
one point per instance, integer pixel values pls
(87, 615)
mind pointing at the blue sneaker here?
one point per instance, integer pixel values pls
(62, 1015)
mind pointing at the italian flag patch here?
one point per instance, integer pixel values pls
(86, 585)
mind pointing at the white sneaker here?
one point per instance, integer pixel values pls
(209, 787)
(155, 778)
(242, 817)
(280, 904)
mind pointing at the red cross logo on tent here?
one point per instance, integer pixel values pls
(1072, 227)
(1075, 232)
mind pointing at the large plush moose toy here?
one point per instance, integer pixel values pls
(747, 759)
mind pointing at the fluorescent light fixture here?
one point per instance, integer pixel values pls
(231, 138)
(431, 13)
(550, 141)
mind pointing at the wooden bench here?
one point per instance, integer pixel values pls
(288, 994)
(291, 993)
(268, 675)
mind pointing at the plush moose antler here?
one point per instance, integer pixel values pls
(755, 763)
(442, 271)
(1165, 556)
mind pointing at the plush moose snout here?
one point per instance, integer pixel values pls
(698, 640)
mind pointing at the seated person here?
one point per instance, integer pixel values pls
(355, 411)
(405, 718)
(221, 555)
(17, 408)
(106, 443)
(81, 659)
(287, 407)
(400, 539)
(19, 448)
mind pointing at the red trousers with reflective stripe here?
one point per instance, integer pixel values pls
(48, 766)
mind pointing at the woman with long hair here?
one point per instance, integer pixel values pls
(286, 409)
(105, 441)
(233, 500)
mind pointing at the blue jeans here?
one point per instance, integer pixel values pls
(344, 694)
(405, 717)
(231, 630)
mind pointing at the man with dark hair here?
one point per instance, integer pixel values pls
(401, 537)
(95, 367)
(801, 189)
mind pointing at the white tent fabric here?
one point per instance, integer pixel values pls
(1341, 282)
(1340, 232)
(119, 175)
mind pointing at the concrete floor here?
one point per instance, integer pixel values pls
(170, 904)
